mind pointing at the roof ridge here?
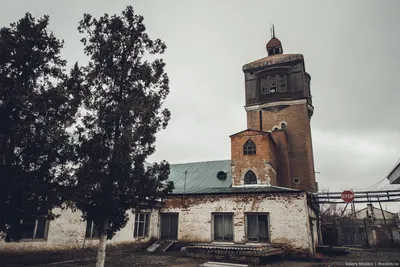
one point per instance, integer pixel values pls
(192, 162)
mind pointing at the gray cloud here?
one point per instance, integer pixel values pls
(350, 50)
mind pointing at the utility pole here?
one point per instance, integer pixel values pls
(184, 185)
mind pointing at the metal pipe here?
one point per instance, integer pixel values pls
(357, 196)
(357, 201)
(359, 192)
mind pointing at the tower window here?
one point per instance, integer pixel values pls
(249, 148)
(281, 83)
(250, 178)
(273, 83)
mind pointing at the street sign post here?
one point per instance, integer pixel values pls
(347, 196)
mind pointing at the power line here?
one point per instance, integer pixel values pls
(393, 167)
(376, 184)
(385, 186)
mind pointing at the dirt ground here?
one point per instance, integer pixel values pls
(175, 259)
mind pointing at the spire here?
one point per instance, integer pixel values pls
(274, 46)
(273, 31)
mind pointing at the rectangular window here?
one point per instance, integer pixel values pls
(281, 83)
(257, 227)
(92, 230)
(141, 225)
(264, 86)
(34, 229)
(273, 83)
(223, 227)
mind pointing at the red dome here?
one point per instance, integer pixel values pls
(274, 42)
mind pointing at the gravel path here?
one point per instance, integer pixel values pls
(174, 259)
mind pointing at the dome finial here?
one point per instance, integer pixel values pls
(273, 31)
(274, 46)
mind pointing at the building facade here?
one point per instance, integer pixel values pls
(261, 196)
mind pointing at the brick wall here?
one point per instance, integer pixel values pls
(298, 129)
(263, 163)
(282, 155)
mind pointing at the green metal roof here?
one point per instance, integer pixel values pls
(201, 178)
(200, 175)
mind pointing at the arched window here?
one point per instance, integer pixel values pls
(249, 148)
(250, 178)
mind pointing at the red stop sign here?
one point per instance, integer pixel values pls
(347, 196)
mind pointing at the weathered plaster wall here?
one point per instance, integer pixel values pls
(68, 231)
(288, 217)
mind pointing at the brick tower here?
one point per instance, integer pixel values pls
(278, 101)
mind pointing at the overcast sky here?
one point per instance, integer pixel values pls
(351, 51)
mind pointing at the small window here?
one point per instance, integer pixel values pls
(223, 227)
(257, 227)
(296, 180)
(283, 125)
(92, 230)
(34, 229)
(221, 175)
(249, 148)
(141, 225)
(250, 178)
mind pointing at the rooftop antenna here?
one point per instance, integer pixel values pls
(270, 28)
(273, 31)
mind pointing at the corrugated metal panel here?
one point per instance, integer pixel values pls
(200, 175)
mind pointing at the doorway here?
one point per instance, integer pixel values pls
(169, 226)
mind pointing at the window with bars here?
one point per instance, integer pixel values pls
(250, 178)
(34, 229)
(223, 227)
(92, 229)
(249, 148)
(257, 227)
(141, 225)
(273, 83)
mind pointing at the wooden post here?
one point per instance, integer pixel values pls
(353, 216)
(384, 220)
(344, 210)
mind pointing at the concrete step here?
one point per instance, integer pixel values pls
(222, 264)
(160, 245)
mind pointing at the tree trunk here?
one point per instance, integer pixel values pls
(101, 252)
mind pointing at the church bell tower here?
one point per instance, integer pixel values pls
(278, 100)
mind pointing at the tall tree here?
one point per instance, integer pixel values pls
(38, 101)
(123, 113)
